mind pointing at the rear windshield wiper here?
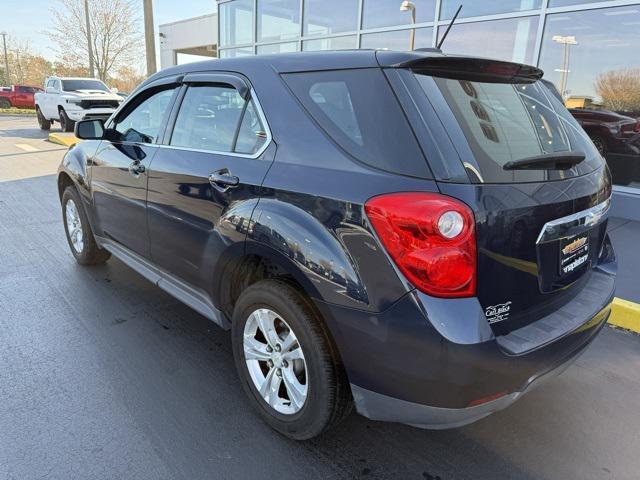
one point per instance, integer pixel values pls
(547, 161)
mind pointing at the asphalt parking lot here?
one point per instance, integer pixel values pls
(104, 376)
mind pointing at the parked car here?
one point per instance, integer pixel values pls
(18, 96)
(610, 131)
(418, 235)
(68, 100)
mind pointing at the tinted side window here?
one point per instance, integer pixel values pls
(208, 119)
(252, 134)
(358, 110)
(143, 123)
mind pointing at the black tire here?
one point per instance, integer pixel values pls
(328, 399)
(90, 254)
(66, 124)
(43, 122)
(4, 103)
(600, 144)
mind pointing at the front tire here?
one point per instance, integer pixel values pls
(4, 103)
(79, 235)
(286, 362)
(66, 124)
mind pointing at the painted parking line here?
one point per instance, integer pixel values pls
(26, 147)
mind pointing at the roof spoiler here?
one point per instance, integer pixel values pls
(473, 69)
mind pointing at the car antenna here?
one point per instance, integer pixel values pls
(449, 27)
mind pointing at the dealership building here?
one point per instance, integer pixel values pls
(588, 49)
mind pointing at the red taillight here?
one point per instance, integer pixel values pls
(431, 238)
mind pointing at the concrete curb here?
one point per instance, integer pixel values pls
(63, 139)
(625, 314)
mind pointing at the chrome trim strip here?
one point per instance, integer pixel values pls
(556, 229)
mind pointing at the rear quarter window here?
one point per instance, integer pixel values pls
(360, 112)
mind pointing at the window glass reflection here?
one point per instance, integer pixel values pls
(278, 48)
(386, 13)
(324, 17)
(591, 58)
(478, 8)
(236, 52)
(336, 43)
(398, 40)
(278, 20)
(512, 39)
(236, 22)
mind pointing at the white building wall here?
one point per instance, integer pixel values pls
(193, 36)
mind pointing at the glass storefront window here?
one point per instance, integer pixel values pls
(336, 43)
(397, 40)
(278, 20)
(511, 39)
(324, 17)
(565, 3)
(278, 48)
(479, 8)
(236, 22)
(386, 13)
(592, 58)
(236, 52)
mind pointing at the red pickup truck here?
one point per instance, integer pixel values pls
(19, 96)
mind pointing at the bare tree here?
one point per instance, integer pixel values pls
(115, 36)
(620, 89)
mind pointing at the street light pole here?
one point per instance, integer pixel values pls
(149, 37)
(567, 41)
(92, 72)
(410, 6)
(6, 58)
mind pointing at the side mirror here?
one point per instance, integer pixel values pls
(89, 129)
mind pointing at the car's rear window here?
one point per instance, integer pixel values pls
(360, 112)
(503, 122)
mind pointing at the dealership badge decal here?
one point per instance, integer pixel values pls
(498, 313)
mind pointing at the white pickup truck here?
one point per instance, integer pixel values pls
(68, 100)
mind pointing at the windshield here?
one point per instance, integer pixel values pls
(74, 85)
(504, 122)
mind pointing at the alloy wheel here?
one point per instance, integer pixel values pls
(275, 361)
(74, 226)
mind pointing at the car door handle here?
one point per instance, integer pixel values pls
(136, 168)
(223, 178)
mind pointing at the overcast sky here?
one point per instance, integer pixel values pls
(29, 19)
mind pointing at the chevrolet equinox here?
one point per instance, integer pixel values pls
(418, 235)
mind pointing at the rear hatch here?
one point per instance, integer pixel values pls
(540, 226)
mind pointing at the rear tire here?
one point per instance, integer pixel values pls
(42, 122)
(66, 124)
(308, 367)
(79, 235)
(600, 144)
(4, 103)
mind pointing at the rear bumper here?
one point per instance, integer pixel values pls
(381, 407)
(434, 362)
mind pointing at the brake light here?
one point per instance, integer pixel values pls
(431, 238)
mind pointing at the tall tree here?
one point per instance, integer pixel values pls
(115, 34)
(620, 89)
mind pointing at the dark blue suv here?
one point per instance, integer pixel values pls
(422, 236)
